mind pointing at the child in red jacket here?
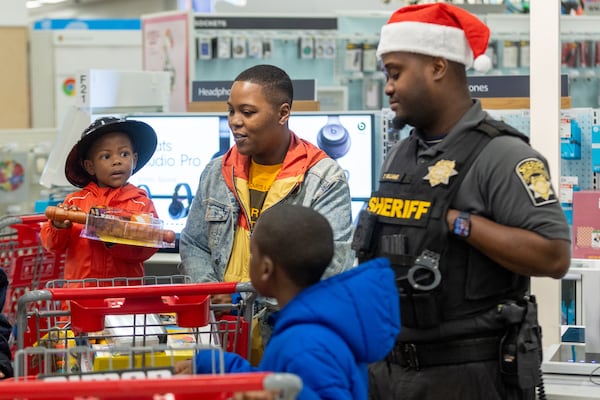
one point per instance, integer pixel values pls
(109, 152)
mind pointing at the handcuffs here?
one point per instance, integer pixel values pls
(428, 264)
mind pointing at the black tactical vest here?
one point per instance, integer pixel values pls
(409, 214)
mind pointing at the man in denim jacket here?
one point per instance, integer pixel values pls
(268, 161)
(268, 164)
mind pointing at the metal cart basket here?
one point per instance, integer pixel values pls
(106, 318)
(26, 263)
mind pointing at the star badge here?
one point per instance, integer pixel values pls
(441, 172)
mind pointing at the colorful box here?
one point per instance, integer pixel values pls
(107, 360)
(586, 224)
(124, 227)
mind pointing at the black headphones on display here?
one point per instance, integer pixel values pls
(147, 189)
(177, 209)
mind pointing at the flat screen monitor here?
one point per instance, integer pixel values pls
(347, 137)
(186, 143)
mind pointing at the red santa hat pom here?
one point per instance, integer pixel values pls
(439, 30)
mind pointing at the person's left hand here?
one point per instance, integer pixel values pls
(184, 367)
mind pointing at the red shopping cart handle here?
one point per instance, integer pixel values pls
(89, 305)
(32, 218)
(148, 388)
(144, 291)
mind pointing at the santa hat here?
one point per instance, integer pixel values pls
(440, 30)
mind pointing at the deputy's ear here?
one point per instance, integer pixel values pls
(439, 67)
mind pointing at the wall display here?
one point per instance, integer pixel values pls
(166, 48)
(13, 178)
(239, 47)
(345, 137)
(586, 224)
(306, 47)
(186, 143)
(181, 156)
(353, 57)
(325, 47)
(59, 53)
(204, 48)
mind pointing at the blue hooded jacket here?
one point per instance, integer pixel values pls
(329, 333)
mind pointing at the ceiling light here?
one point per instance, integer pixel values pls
(238, 3)
(33, 4)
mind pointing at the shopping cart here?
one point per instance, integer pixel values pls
(26, 263)
(174, 388)
(106, 318)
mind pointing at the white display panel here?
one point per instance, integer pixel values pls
(58, 56)
(347, 138)
(186, 143)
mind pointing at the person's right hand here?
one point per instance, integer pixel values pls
(66, 223)
(256, 395)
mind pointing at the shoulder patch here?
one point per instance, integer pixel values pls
(536, 180)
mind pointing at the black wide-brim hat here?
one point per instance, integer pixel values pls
(143, 139)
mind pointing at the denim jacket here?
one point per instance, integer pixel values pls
(207, 239)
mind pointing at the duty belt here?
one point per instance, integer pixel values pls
(420, 355)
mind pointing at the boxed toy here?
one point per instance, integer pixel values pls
(586, 224)
(106, 359)
(120, 226)
(595, 148)
(138, 329)
(117, 226)
(570, 139)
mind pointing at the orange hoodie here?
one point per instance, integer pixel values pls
(88, 258)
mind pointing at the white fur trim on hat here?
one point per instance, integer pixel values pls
(425, 38)
(482, 64)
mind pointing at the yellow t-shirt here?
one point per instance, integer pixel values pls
(260, 180)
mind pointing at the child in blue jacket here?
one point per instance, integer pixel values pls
(328, 331)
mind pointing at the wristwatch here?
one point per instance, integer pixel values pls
(462, 225)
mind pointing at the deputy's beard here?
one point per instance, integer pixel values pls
(398, 123)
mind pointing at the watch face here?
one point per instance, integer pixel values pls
(462, 226)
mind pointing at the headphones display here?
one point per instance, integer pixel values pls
(334, 138)
(147, 189)
(177, 209)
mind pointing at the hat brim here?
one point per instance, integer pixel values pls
(142, 136)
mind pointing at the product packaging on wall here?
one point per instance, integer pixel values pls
(325, 47)
(306, 47)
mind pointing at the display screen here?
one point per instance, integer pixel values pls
(186, 143)
(347, 138)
